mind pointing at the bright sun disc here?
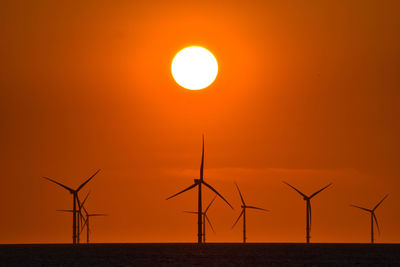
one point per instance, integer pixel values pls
(194, 68)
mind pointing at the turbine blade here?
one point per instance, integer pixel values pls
(256, 208)
(83, 226)
(65, 210)
(190, 187)
(240, 193)
(202, 161)
(295, 189)
(209, 186)
(80, 215)
(209, 205)
(208, 220)
(376, 221)
(87, 195)
(87, 181)
(84, 209)
(84, 219)
(81, 219)
(60, 184)
(79, 202)
(192, 212)
(380, 202)
(361, 208)
(323, 188)
(238, 218)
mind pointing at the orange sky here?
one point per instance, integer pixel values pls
(306, 92)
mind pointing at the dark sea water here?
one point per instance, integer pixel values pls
(184, 254)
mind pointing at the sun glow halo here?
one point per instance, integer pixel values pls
(194, 68)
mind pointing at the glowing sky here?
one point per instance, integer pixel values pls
(306, 92)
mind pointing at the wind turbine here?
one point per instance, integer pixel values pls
(205, 217)
(373, 217)
(74, 200)
(80, 216)
(244, 207)
(199, 183)
(308, 208)
(88, 215)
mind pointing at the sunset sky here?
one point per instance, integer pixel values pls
(307, 92)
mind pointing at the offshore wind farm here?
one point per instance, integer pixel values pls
(200, 133)
(203, 253)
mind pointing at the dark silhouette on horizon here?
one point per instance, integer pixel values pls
(308, 208)
(75, 201)
(205, 217)
(373, 217)
(85, 218)
(87, 222)
(199, 183)
(80, 216)
(243, 213)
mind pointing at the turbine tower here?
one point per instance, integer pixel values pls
(205, 218)
(87, 222)
(74, 193)
(79, 226)
(199, 183)
(243, 213)
(373, 217)
(80, 216)
(308, 208)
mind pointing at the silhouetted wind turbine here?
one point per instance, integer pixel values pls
(373, 217)
(80, 216)
(205, 217)
(87, 222)
(308, 208)
(243, 213)
(198, 183)
(79, 221)
(74, 199)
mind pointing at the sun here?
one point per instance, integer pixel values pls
(194, 68)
